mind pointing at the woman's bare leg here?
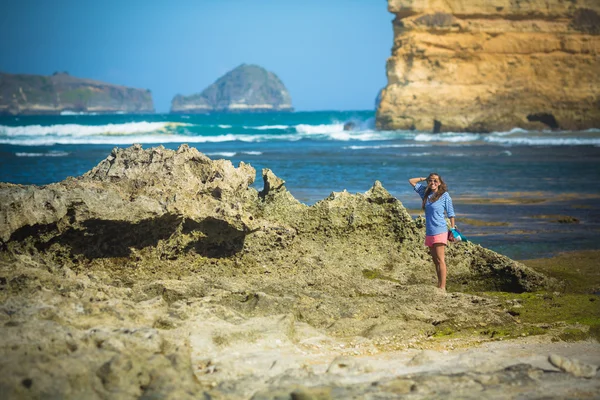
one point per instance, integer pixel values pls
(438, 255)
(436, 262)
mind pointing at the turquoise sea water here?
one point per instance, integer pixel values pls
(315, 156)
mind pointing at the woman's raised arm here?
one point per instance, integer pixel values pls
(414, 181)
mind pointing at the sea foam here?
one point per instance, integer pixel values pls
(48, 154)
(384, 146)
(178, 132)
(543, 141)
(222, 153)
(89, 130)
(447, 137)
(267, 127)
(319, 129)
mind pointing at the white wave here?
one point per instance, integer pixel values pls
(367, 135)
(368, 124)
(511, 132)
(544, 141)
(233, 153)
(116, 140)
(143, 139)
(383, 146)
(266, 127)
(320, 129)
(48, 154)
(222, 153)
(419, 154)
(89, 130)
(224, 126)
(447, 137)
(76, 113)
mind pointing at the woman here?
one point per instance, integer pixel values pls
(436, 200)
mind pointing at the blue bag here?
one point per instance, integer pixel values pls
(456, 235)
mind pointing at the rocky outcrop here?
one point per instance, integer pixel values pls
(247, 88)
(164, 273)
(36, 94)
(491, 66)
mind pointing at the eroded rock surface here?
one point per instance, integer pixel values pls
(164, 273)
(486, 66)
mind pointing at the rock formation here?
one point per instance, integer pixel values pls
(247, 88)
(164, 274)
(36, 94)
(485, 66)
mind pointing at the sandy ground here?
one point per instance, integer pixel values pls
(322, 368)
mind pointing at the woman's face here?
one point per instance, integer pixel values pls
(433, 182)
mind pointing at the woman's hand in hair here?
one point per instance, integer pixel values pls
(414, 181)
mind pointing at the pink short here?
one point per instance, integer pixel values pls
(441, 238)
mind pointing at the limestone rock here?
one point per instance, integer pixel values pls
(424, 357)
(312, 394)
(22, 94)
(573, 367)
(164, 273)
(492, 66)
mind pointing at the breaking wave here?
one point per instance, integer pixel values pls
(544, 141)
(89, 130)
(147, 132)
(48, 154)
(230, 154)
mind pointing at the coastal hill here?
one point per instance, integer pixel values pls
(165, 274)
(486, 66)
(22, 94)
(247, 88)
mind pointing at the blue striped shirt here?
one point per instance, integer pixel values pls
(435, 223)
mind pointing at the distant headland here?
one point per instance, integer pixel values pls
(247, 88)
(22, 94)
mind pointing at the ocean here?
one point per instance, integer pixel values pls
(513, 191)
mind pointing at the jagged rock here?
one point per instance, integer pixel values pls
(164, 273)
(35, 94)
(485, 66)
(348, 126)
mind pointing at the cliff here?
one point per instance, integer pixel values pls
(485, 66)
(37, 94)
(247, 88)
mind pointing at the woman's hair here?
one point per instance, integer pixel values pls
(442, 188)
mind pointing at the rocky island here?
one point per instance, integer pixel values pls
(165, 274)
(22, 94)
(483, 66)
(247, 88)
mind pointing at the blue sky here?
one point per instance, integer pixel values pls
(330, 54)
